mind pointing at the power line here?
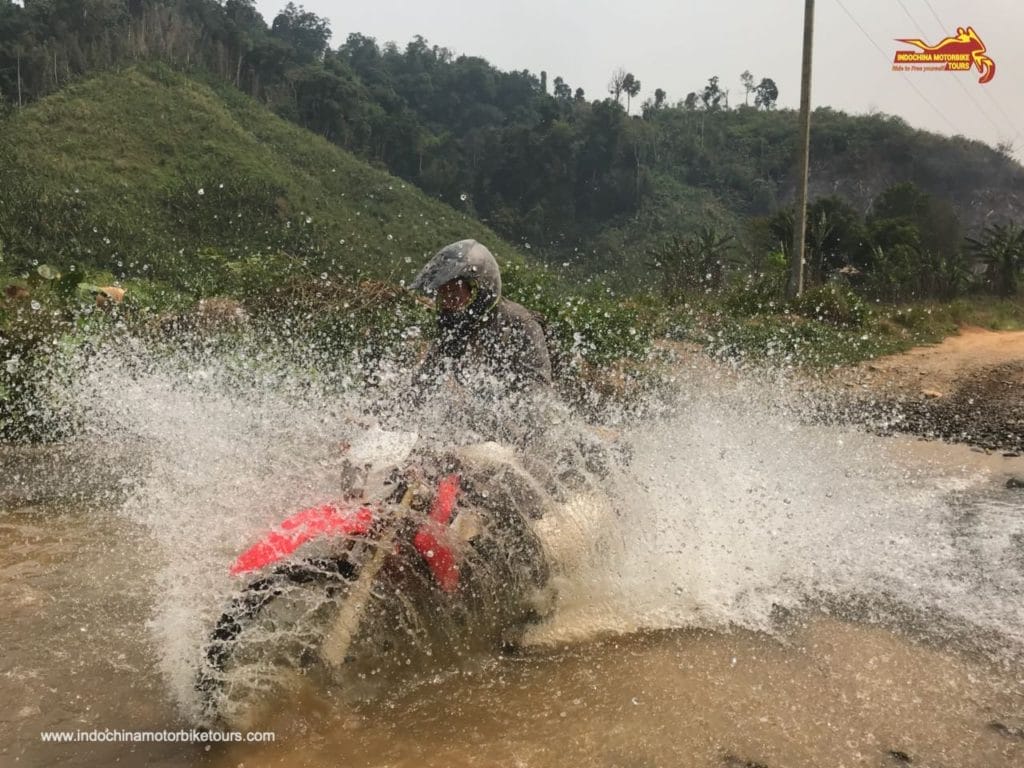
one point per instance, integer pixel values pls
(1009, 120)
(935, 15)
(963, 88)
(910, 82)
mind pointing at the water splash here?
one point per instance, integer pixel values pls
(736, 510)
(731, 508)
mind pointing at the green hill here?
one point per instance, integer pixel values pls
(146, 175)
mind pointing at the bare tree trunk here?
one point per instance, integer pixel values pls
(238, 70)
(19, 79)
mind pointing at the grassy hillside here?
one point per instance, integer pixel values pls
(148, 175)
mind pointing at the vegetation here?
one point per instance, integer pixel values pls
(580, 181)
(185, 149)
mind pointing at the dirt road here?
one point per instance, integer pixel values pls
(968, 388)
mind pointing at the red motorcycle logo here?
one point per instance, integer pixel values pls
(958, 54)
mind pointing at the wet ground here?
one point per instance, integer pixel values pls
(967, 389)
(854, 689)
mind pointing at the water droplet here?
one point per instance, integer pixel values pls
(323, 275)
(202, 191)
(463, 197)
(391, 237)
(36, 306)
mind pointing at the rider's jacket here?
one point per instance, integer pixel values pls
(507, 344)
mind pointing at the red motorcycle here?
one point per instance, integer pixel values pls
(436, 554)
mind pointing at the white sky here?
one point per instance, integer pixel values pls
(678, 44)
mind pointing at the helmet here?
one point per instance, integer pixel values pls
(465, 260)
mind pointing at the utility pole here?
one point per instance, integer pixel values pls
(796, 274)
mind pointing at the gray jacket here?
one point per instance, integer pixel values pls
(507, 343)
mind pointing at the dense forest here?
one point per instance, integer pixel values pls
(690, 191)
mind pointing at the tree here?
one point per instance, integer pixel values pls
(617, 83)
(696, 261)
(905, 214)
(690, 103)
(659, 98)
(305, 32)
(712, 95)
(766, 94)
(562, 89)
(748, 86)
(1001, 249)
(631, 86)
(579, 95)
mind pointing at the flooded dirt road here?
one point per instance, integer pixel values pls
(835, 683)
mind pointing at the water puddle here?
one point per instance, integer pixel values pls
(750, 591)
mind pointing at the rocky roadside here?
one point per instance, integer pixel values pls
(967, 389)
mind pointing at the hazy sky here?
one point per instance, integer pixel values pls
(676, 45)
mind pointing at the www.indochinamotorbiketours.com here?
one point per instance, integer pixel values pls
(193, 736)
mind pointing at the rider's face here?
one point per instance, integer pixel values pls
(454, 296)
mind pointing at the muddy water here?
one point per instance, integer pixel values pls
(830, 684)
(827, 693)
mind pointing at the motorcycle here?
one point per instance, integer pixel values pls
(425, 551)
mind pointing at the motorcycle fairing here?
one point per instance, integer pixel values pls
(335, 520)
(300, 528)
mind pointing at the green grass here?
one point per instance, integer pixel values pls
(177, 189)
(813, 333)
(107, 174)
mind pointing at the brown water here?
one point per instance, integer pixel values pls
(819, 691)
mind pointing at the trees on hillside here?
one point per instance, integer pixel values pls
(713, 97)
(766, 94)
(305, 33)
(748, 86)
(1001, 249)
(557, 169)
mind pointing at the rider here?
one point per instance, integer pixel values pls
(480, 332)
(477, 327)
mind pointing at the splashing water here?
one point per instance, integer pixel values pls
(733, 510)
(729, 510)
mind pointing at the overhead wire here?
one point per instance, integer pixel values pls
(885, 55)
(963, 88)
(1009, 120)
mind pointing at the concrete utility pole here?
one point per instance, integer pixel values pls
(796, 274)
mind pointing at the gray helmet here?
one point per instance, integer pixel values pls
(467, 260)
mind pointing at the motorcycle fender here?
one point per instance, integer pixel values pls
(302, 527)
